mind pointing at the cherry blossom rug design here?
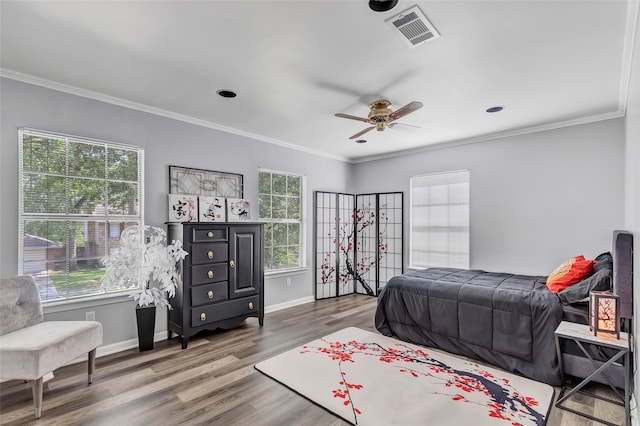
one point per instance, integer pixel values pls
(370, 379)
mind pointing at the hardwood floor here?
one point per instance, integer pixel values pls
(213, 381)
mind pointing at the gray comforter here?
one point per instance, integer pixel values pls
(504, 319)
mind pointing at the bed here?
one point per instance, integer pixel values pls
(504, 319)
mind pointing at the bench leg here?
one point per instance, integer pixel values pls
(37, 396)
(92, 364)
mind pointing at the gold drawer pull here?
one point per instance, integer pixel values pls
(250, 305)
(232, 263)
(203, 316)
(210, 294)
(210, 254)
(210, 274)
(210, 234)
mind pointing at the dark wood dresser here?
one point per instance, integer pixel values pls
(222, 276)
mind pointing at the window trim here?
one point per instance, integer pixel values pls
(92, 299)
(286, 272)
(303, 224)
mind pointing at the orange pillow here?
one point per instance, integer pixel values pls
(569, 273)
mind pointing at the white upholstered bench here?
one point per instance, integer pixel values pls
(31, 347)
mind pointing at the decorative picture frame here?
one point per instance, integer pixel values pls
(190, 181)
(238, 210)
(212, 209)
(183, 208)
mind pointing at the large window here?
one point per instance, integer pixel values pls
(76, 196)
(440, 220)
(280, 199)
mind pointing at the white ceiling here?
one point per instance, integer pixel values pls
(294, 64)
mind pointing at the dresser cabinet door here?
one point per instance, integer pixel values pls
(245, 265)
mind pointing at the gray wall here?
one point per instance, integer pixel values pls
(166, 142)
(632, 187)
(536, 199)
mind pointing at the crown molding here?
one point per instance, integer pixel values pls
(49, 84)
(493, 136)
(631, 26)
(620, 112)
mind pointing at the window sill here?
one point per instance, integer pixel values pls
(285, 272)
(85, 302)
(91, 301)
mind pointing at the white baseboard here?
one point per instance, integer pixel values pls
(289, 304)
(133, 343)
(118, 347)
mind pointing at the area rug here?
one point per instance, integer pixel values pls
(370, 379)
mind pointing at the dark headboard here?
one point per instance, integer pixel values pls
(623, 271)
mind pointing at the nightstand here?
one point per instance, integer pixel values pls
(579, 333)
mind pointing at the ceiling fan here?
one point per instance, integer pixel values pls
(382, 116)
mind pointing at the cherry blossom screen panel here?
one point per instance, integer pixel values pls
(334, 237)
(366, 243)
(379, 240)
(390, 237)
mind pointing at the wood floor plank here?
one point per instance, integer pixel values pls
(195, 392)
(213, 381)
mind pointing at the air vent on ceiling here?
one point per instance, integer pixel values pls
(414, 27)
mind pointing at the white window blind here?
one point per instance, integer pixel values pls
(440, 220)
(76, 195)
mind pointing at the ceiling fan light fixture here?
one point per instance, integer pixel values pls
(361, 141)
(382, 5)
(381, 116)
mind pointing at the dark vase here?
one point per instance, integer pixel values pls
(146, 317)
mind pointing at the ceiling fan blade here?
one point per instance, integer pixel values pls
(352, 117)
(407, 109)
(362, 132)
(391, 125)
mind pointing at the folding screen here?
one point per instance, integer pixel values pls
(334, 244)
(358, 247)
(378, 240)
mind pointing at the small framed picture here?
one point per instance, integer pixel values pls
(183, 208)
(237, 209)
(212, 209)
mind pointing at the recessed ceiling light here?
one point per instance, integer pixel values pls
(495, 109)
(227, 93)
(382, 5)
(361, 141)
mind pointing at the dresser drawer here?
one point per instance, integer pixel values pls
(224, 310)
(210, 273)
(203, 294)
(207, 253)
(205, 234)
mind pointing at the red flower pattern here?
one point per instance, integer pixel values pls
(504, 399)
(344, 235)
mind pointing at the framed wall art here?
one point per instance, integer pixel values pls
(212, 209)
(189, 181)
(237, 210)
(183, 208)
